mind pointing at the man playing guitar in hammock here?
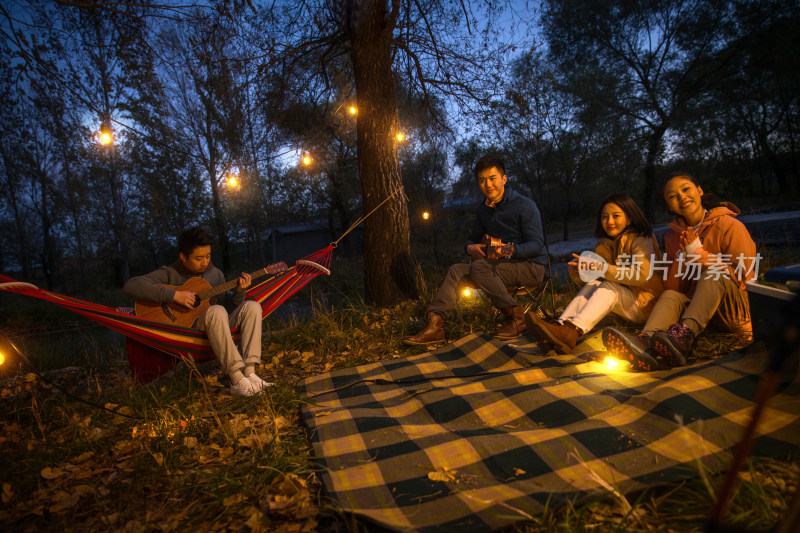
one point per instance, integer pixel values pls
(505, 238)
(165, 287)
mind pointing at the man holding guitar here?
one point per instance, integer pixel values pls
(182, 294)
(505, 238)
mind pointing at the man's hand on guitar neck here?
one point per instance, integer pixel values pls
(244, 282)
(478, 251)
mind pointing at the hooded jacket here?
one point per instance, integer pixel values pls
(726, 247)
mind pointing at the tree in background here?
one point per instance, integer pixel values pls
(748, 127)
(648, 59)
(402, 39)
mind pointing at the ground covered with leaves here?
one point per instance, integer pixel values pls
(85, 447)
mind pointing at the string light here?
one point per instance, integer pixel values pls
(306, 159)
(105, 135)
(232, 178)
(467, 292)
(426, 215)
(353, 110)
(400, 136)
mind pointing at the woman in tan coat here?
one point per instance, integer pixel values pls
(623, 286)
(710, 257)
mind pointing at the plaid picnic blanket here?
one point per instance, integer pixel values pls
(482, 434)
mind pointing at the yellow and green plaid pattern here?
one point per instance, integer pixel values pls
(480, 434)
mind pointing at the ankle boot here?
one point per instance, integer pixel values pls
(431, 333)
(563, 337)
(513, 323)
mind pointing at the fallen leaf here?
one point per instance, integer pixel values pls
(254, 522)
(8, 492)
(519, 472)
(190, 442)
(125, 447)
(233, 499)
(442, 474)
(82, 458)
(159, 458)
(51, 473)
(255, 441)
(64, 500)
(126, 410)
(280, 423)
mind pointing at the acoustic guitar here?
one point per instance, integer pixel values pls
(494, 247)
(178, 315)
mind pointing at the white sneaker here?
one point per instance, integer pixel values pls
(245, 387)
(259, 384)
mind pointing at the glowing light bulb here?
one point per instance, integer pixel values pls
(105, 138)
(467, 292)
(233, 181)
(353, 110)
(306, 160)
(400, 136)
(611, 363)
(426, 215)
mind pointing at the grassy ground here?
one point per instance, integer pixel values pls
(84, 447)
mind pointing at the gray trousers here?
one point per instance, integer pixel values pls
(216, 323)
(490, 275)
(710, 297)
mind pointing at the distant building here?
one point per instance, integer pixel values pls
(296, 241)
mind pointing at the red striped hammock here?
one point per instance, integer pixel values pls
(181, 342)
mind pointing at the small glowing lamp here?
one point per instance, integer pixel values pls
(611, 363)
(353, 110)
(467, 292)
(306, 159)
(400, 136)
(104, 136)
(233, 181)
(426, 215)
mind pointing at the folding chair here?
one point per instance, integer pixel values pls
(536, 294)
(536, 297)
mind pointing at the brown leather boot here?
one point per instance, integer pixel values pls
(433, 332)
(513, 323)
(563, 337)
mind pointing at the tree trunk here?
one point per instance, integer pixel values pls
(389, 266)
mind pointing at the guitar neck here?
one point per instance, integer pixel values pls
(219, 289)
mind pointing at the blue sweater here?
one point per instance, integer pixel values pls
(513, 219)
